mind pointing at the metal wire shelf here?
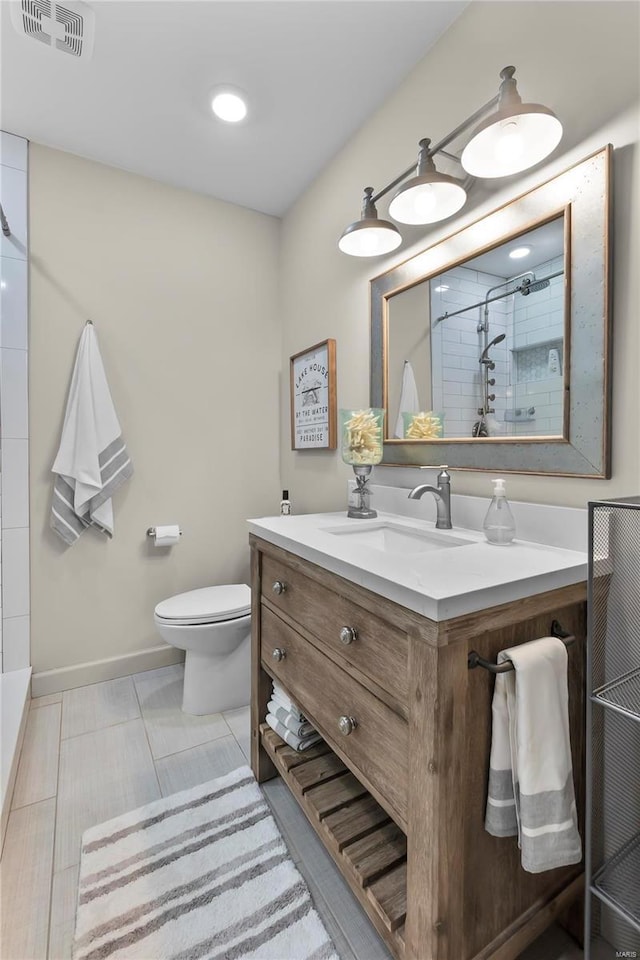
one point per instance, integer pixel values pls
(621, 695)
(612, 821)
(617, 882)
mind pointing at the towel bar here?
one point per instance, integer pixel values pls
(475, 660)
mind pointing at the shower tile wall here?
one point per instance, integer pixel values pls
(538, 327)
(456, 347)
(14, 430)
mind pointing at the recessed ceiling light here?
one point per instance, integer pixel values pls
(520, 252)
(229, 105)
(441, 288)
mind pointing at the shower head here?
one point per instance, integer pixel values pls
(532, 286)
(498, 339)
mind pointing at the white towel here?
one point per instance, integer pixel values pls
(283, 699)
(300, 728)
(531, 792)
(92, 460)
(409, 402)
(296, 742)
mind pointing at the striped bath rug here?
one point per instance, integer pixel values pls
(200, 874)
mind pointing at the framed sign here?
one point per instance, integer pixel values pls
(313, 397)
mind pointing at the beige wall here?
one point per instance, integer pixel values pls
(580, 58)
(183, 292)
(410, 342)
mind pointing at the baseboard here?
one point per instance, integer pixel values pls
(81, 674)
(13, 729)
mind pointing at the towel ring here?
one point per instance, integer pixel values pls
(475, 660)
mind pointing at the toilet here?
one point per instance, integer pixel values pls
(213, 626)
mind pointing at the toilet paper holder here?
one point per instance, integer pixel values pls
(151, 532)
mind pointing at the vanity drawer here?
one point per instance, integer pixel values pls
(377, 746)
(369, 643)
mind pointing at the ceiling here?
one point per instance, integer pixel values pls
(545, 242)
(313, 71)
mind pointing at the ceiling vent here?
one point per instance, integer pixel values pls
(67, 27)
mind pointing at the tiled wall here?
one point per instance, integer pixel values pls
(457, 345)
(533, 324)
(14, 419)
(538, 327)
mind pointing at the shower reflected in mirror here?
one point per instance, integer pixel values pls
(481, 348)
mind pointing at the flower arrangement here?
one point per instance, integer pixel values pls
(423, 426)
(362, 436)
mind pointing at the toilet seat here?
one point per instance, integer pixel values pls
(206, 605)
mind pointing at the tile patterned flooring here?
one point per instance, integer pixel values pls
(95, 752)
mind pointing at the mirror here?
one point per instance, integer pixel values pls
(489, 350)
(480, 346)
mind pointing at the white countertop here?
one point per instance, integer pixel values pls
(441, 584)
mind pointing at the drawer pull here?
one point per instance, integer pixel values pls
(279, 587)
(348, 634)
(279, 654)
(347, 725)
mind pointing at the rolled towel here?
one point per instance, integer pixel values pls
(290, 737)
(301, 728)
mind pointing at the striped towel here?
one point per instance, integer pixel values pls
(201, 875)
(301, 728)
(92, 461)
(531, 791)
(298, 743)
(282, 698)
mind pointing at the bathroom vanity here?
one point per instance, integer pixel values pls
(369, 627)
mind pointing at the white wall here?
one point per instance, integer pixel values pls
(182, 289)
(14, 415)
(538, 327)
(580, 58)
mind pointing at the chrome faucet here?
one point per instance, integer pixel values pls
(442, 493)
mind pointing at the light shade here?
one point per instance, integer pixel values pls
(429, 196)
(370, 236)
(517, 136)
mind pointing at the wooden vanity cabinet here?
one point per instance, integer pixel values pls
(399, 800)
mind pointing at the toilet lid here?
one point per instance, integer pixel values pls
(207, 605)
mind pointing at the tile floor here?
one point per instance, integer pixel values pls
(93, 753)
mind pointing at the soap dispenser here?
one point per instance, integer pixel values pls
(285, 504)
(499, 525)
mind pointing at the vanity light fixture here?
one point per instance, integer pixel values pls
(369, 236)
(519, 253)
(514, 137)
(429, 196)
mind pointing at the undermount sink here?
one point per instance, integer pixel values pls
(389, 537)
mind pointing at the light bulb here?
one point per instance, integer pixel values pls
(424, 200)
(229, 106)
(519, 253)
(369, 242)
(509, 146)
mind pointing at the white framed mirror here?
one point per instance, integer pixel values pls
(490, 350)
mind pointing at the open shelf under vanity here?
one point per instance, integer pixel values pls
(367, 846)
